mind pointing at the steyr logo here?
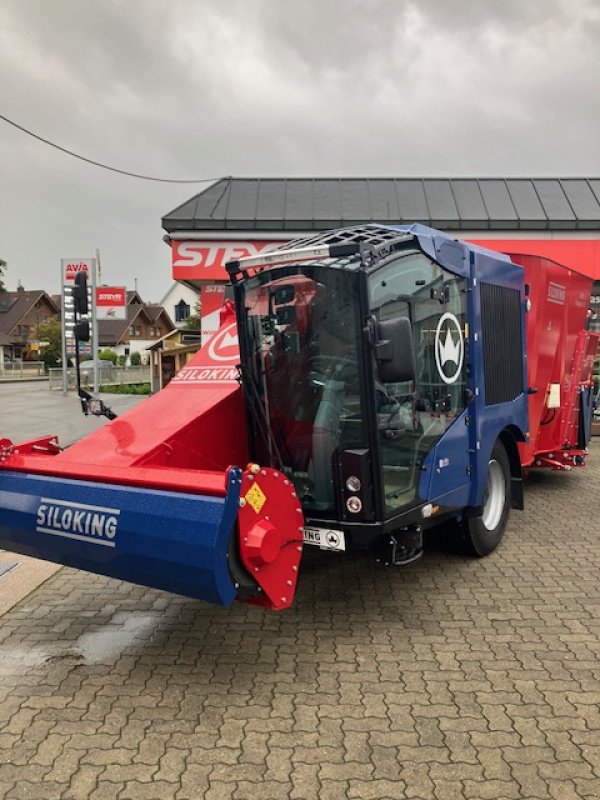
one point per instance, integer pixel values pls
(449, 348)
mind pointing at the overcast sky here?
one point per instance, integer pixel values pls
(207, 88)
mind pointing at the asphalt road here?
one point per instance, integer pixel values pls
(28, 410)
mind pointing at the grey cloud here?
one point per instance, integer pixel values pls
(264, 87)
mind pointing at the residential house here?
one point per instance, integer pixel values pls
(145, 324)
(180, 303)
(20, 313)
(171, 353)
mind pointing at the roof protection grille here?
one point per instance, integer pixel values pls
(372, 235)
(367, 243)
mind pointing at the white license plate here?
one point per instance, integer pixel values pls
(325, 538)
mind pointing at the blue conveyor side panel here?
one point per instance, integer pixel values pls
(167, 540)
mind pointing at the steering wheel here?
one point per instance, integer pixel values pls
(323, 368)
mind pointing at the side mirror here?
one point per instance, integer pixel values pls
(80, 296)
(286, 315)
(284, 294)
(394, 351)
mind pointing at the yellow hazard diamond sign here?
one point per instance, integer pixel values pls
(256, 497)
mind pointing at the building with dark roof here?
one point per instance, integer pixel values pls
(558, 218)
(451, 204)
(20, 313)
(145, 324)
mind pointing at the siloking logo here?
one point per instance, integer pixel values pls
(556, 293)
(205, 260)
(81, 521)
(216, 362)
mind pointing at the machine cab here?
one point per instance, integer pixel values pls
(352, 369)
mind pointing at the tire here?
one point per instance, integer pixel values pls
(483, 533)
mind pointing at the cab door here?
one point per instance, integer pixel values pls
(422, 432)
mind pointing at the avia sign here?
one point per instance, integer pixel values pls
(71, 266)
(205, 260)
(111, 302)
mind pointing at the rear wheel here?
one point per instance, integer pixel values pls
(483, 533)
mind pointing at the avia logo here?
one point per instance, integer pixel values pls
(81, 521)
(449, 348)
(71, 270)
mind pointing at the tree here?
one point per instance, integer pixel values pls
(2, 268)
(135, 359)
(51, 353)
(108, 355)
(194, 321)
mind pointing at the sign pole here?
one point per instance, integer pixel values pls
(70, 267)
(63, 333)
(94, 327)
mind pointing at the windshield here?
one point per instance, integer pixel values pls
(302, 340)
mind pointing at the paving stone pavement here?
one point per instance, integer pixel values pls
(451, 678)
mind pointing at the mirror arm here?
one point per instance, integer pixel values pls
(95, 406)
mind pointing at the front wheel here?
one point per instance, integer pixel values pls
(483, 533)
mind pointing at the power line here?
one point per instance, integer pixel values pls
(104, 166)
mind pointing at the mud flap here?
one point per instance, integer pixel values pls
(163, 539)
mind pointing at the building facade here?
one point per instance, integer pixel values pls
(21, 313)
(558, 218)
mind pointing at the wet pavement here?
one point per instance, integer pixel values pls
(451, 678)
(28, 409)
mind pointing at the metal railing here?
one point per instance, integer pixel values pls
(108, 375)
(21, 370)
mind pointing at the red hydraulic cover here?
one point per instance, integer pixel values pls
(560, 356)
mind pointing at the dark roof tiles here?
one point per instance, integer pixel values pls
(271, 204)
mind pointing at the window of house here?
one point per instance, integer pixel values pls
(182, 311)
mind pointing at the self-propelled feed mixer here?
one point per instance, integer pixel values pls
(365, 384)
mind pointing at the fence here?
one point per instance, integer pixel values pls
(108, 375)
(21, 370)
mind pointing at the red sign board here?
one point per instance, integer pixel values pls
(205, 260)
(111, 302)
(211, 303)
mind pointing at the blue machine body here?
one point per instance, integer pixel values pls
(465, 448)
(168, 540)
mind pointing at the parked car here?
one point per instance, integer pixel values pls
(106, 372)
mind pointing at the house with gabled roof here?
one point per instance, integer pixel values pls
(21, 312)
(145, 324)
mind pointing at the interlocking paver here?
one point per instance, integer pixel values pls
(449, 679)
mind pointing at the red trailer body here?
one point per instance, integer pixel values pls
(560, 360)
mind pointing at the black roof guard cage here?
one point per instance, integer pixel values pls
(372, 242)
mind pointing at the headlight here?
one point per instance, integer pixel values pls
(354, 504)
(353, 484)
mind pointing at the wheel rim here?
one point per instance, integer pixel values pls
(495, 496)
